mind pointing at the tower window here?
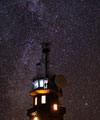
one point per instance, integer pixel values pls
(41, 83)
(55, 107)
(43, 99)
(45, 84)
(36, 100)
(35, 83)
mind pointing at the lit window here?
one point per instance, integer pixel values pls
(35, 100)
(43, 99)
(55, 107)
(35, 84)
(41, 83)
(45, 84)
(36, 118)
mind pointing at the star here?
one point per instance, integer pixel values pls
(72, 28)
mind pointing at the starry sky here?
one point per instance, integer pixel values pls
(72, 27)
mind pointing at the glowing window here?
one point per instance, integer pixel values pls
(43, 99)
(36, 118)
(41, 83)
(35, 100)
(35, 84)
(55, 107)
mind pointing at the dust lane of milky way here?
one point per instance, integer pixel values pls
(73, 29)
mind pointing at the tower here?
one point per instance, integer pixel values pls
(46, 94)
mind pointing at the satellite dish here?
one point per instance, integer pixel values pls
(60, 81)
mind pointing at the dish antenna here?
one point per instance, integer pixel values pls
(60, 81)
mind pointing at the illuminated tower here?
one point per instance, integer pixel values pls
(46, 95)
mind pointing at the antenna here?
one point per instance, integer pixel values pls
(38, 69)
(46, 50)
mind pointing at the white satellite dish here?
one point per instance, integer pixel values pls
(60, 81)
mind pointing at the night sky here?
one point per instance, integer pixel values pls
(73, 28)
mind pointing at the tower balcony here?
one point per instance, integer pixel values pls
(32, 112)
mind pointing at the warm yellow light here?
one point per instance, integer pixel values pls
(35, 100)
(34, 114)
(55, 107)
(34, 93)
(42, 91)
(36, 118)
(43, 99)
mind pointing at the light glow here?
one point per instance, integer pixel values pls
(41, 83)
(35, 83)
(34, 93)
(35, 100)
(34, 114)
(55, 107)
(43, 99)
(36, 118)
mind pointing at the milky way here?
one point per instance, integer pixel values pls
(73, 28)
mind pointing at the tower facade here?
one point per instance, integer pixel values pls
(46, 95)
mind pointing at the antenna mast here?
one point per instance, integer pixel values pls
(46, 51)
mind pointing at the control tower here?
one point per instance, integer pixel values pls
(45, 94)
